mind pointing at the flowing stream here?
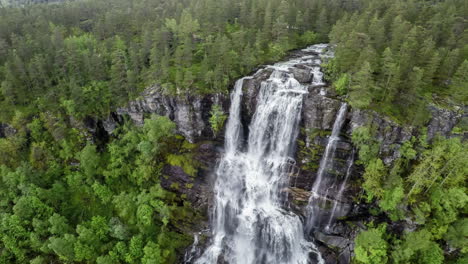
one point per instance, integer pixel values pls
(249, 223)
(322, 185)
(337, 202)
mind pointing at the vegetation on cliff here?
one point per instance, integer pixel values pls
(66, 197)
(399, 56)
(87, 57)
(425, 188)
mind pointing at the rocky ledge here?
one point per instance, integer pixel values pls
(191, 113)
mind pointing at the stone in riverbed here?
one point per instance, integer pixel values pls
(302, 75)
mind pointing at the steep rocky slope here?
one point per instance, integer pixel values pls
(191, 114)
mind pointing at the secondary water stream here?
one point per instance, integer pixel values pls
(323, 184)
(249, 223)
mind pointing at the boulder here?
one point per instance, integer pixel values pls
(302, 75)
(442, 122)
(6, 130)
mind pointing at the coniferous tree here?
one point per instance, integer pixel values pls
(459, 85)
(118, 71)
(362, 86)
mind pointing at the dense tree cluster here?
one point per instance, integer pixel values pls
(64, 200)
(426, 186)
(398, 56)
(87, 57)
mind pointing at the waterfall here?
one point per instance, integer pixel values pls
(193, 250)
(339, 196)
(321, 186)
(234, 125)
(249, 223)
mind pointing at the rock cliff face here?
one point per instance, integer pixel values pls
(319, 113)
(191, 113)
(6, 130)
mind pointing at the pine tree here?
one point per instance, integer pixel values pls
(118, 71)
(362, 87)
(377, 33)
(429, 59)
(449, 65)
(267, 22)
(389, 71)
(408, 52)
(323, 26)
(459, 85)
(399, 31)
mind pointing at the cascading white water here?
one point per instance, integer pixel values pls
(321, 186)
(192, 250)
(337, 202)
(249, 224)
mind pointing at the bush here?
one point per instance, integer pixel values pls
(371, 247)
(217, 119)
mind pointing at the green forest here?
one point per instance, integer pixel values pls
(68, 198)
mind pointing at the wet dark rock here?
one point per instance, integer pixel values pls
(191, 113)
(299, 195)
(6, 130)
(112, 122)
(442, 122)
(250, 90)
(95, 127)
(303, 75)
(335, 242)
(319, 112)
(388, 133)
(339, 247)
(176, 180)
(198, 188)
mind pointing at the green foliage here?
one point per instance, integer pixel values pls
(361, 87)
(457, 235)
(95, 206)
(156, 129)
(217, 119)
(390, 202)
(309, 37)
(397, 61)
(426, 184)
(89, 160)
(373, 179)
(418, 247)
(371, 246)
(185, 161)
(104, 54)
(63, 247)
(368, 147)
(443, 164)
(459, 86)
(341, 85)
(63, 199)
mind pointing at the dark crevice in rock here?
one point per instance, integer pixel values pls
(191, 114)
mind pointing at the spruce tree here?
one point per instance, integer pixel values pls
(362, 87)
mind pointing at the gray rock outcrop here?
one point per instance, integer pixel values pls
(6, 130)
(191, 114)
